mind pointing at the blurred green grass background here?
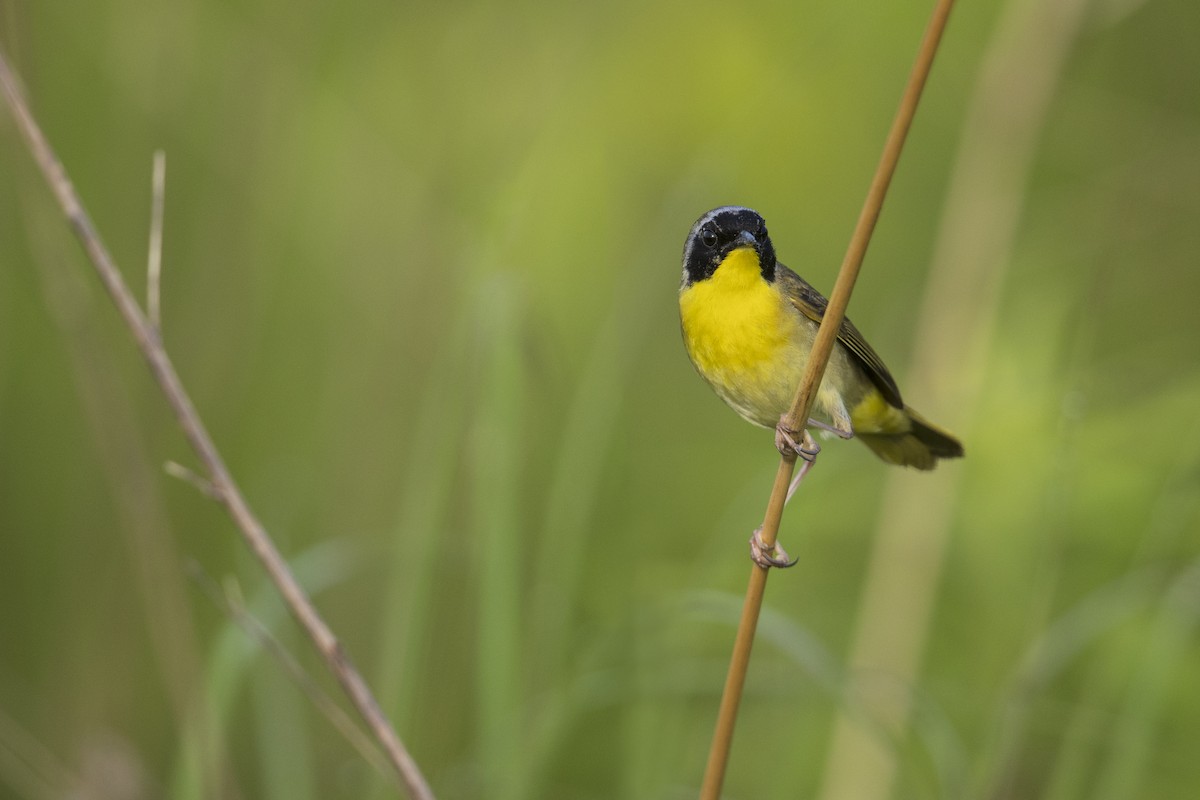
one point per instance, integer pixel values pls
(420, 267)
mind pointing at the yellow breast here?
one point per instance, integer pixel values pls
(744, 338)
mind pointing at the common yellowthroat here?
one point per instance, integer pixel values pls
(749, 323)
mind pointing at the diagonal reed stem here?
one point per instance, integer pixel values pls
(146, 336)
(718, 755)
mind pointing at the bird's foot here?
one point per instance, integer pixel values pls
(765, 557)
(785, 443)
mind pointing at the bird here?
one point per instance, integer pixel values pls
(749, 324)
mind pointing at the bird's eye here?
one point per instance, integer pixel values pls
(708, 237)
(761, 231)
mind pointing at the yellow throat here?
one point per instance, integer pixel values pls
(742, 336)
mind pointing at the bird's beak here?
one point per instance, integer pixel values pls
(746, 239)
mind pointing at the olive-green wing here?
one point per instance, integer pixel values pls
(812, 304)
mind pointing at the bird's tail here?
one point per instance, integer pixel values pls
(920, 447)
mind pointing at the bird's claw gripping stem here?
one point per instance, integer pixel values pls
(785, 443)
(766, 558)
